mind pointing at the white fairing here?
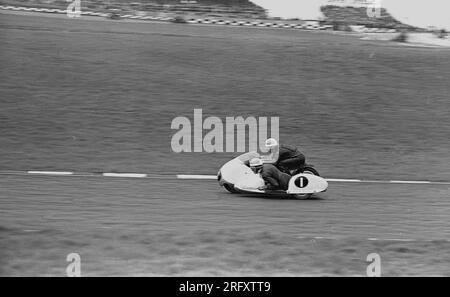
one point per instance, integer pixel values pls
(307, 184)
(237, 173)
(250, 181)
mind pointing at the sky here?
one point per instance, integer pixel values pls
(421, 13)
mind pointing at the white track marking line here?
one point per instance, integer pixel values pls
(198, 177)
(85, 174)
(409, 182)
(132, 175)
(51, 172)
(343, 180)
(211, 177)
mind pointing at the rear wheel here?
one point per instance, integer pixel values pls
(304, 196)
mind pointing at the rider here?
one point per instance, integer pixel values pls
(272, 176)
(287, 158)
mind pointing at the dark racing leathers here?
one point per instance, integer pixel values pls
(290, 158)
(274, 178)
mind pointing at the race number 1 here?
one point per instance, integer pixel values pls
(301, 182)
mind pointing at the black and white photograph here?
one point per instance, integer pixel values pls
(223, 144)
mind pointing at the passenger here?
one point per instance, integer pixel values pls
(245, 158)
(274, 179)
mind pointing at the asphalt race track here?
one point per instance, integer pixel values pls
(99, 96)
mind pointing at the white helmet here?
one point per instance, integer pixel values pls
(256, 162)
(271, 143)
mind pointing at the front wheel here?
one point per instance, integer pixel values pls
(310, 170)
(230, 188)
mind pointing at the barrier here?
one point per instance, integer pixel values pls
(170, 19)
